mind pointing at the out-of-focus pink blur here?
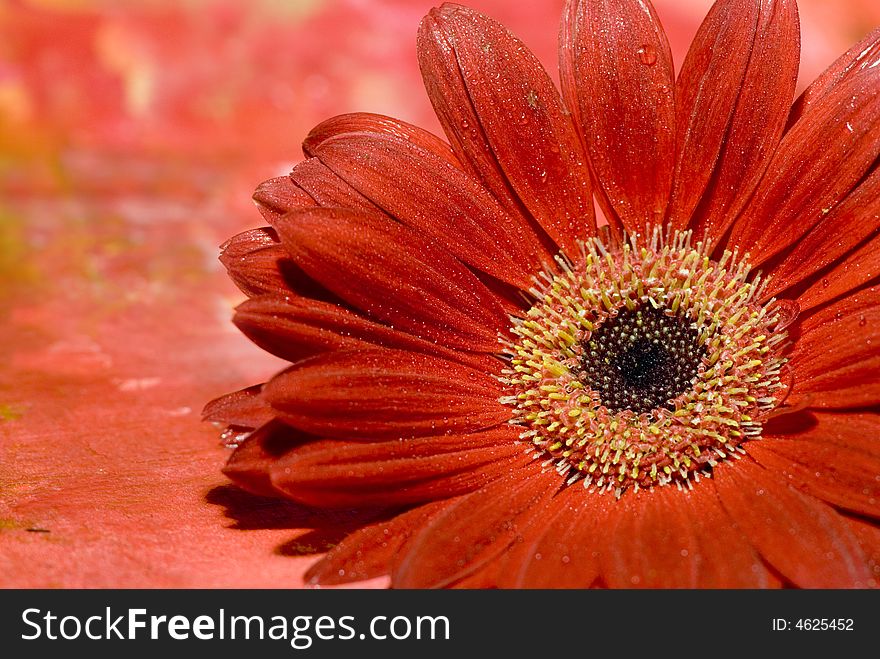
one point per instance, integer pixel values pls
(131, 138)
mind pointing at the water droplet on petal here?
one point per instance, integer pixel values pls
(647, 55)
(788, 311)
(862, 321)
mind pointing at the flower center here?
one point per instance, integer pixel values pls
(641, 359)
(644, 364)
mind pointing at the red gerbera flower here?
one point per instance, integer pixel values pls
(685, 397)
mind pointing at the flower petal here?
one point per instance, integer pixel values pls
(860, 267)
(804, 539)
(852, 430)
(869, 538)
(843, 477)
(525, 138)
(259, 265)
(819, 161)
(666, 538)
(277, 196)
(297, 327)
(842, 232)
(563, 550)
(334, 474)
(441, 202)
(385, 394)
(245, 408)
(394, 275)
(366, 122)
(251, 259)
(249, 465)
(327, 189)
(475, 530)
(618, 60)
(452, 105)
(368, 552)
(863, 55)
(742, 64)
(484, 577)
(834, 363)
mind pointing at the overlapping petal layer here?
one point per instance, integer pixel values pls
(385, 394)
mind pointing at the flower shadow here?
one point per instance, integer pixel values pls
(320, 529)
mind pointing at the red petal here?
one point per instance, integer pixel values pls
(619, 62)
(525, 138)
(835, 361)
(804, 539)
(861, 266)
(441, 202)
(864, 55)
(367, 553)
(394, 275)
(251, 258)
(562, 551)
(819, 161)
(851, 430)
(258, 264)
(385, 394)
(245, 408)
(296, 327)
(475, 530)
(742, 64)
(666, 538)
(452, 105)
(250, 464)
(365, 122)
(843, 477)
(279, 195)
(869, 538)
(327, 188)
(484, 577)
(333, 474)
(840, 233)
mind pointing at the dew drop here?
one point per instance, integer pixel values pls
(862, 321)
(825, 283)
(233, 436)
(647, 55)
(788, 311)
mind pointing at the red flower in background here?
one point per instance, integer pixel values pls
(541, 403)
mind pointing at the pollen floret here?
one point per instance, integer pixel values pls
(644, 364)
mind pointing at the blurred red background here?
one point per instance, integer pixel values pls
(131, 138)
